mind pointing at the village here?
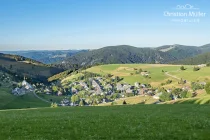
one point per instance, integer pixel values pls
(93, 89)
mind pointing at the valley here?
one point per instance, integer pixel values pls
(94, 83)
(104, 70)
(115, 83)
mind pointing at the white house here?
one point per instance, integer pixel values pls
(26, 84)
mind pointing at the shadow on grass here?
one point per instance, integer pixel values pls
(142, 103)
(194, 101)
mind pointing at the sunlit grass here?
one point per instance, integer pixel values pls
(114, 122)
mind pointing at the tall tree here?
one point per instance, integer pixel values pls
(207, 88)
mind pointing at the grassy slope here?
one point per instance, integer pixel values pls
(200, 99)
(157, 76)
(133, 100)
(54, 98)
(30, 69)
(125, 70)
(203, 74)
(116, 122)
(9, 101)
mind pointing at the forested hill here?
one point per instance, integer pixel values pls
(116, 54)
(20, 66)
(196, 60)
(179, 52)
(130, 54)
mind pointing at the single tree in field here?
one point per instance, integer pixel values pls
(53, 105)
(73, 99)
(124, 102)
(207, 88)
(182, 68)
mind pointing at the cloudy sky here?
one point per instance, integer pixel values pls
(91, 24)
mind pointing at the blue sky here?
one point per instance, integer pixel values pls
(90, 24)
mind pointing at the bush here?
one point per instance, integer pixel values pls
(94, 103)
(188, 95)
(113, 103)
(207, 88)
(124, 102)
(196, 69)
(183, 94)
(196, 86)
(168, 81)
(182, 81)
(182, 68)
(165, 97)
(82, 103)
(54, 105)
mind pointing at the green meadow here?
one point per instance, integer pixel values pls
(142, 122)
(9, 101)
(127, 72)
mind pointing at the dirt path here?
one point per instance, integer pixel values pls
(166, 73)
(40, 98)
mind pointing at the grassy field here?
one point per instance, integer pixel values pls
(200, 99)
(133, 100)
(142, 122)
(202, 75)
(9, 101)
(54, 98)
(157, 76)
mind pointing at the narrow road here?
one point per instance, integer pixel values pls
(41, 98)
(166, 73)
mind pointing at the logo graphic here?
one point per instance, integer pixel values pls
(186, 7)
(185, 13)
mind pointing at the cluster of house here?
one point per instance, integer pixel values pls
(108, 89)
(95, 82)
(23, 89)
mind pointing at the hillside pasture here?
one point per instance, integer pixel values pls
(133, 100)
(9, 101)
(125, 70)
(157, 73)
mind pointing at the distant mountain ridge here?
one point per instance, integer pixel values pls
(74, 59)
(130, 54)
(46, 56)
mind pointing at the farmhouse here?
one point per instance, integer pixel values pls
(84, 85)
(157, 96)
(144, 73)
(59, 93)
(47, 91)
(129, 90)
(109, 86)
(97, 86)
(137, 84)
